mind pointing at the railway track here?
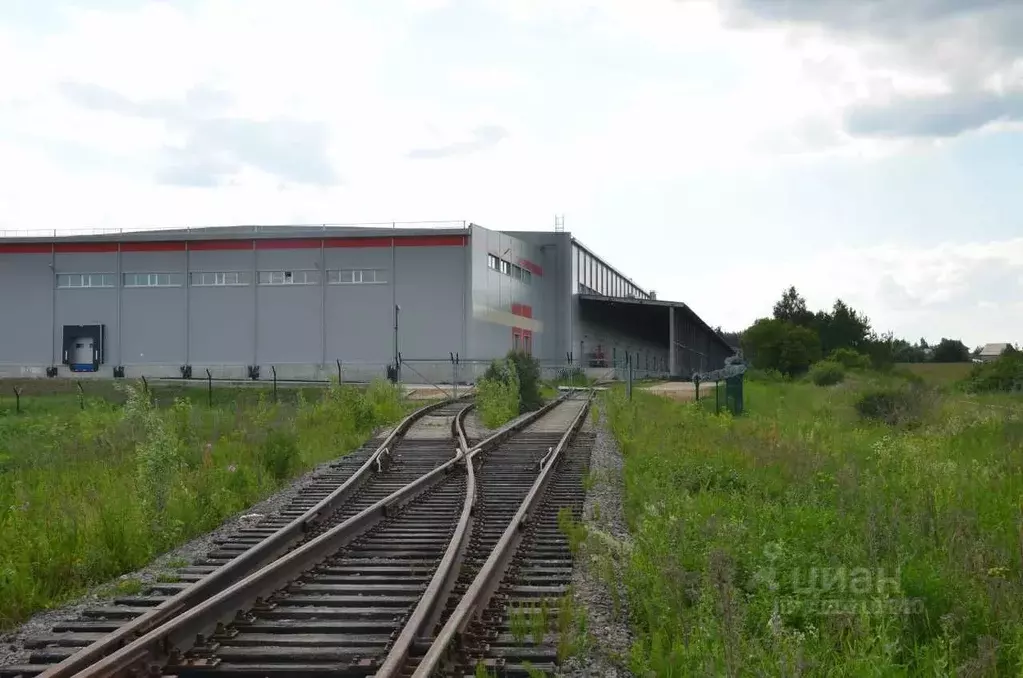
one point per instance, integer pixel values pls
(74, 645)
(506, 614)
(529, 622)
(434, 524)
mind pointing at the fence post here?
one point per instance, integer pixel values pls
(454, 373)
(340, 377)
(628, 376)
(81, 395)
(209, 388)
(696, 383)
(17, 400)
(273, 368)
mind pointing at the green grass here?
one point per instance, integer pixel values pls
(798, 540)
(938, 374)
(59, 395)
(89, 494)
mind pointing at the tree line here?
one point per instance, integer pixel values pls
(794, 338)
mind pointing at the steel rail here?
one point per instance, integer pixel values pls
(161, 642)
(477, 596)
(250, 561)
(427, 612)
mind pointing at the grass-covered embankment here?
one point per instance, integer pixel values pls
(88, 494)
(802, 540)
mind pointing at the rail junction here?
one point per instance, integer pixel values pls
(418, 555)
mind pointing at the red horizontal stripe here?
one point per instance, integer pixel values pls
(153, 247)
(432, 241)
(290, 244)
(535, 269)
(208, 245)
(25, 248)
(80, 247)
(358, 242)
(400, 241)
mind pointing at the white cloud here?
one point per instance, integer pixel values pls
(223, 91)
(971, 290)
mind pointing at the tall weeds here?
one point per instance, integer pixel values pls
(802, 540)
(497, 395)
(86, 495)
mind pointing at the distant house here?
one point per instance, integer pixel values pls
(991, 352)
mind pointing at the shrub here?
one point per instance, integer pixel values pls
(827, 373)
(850, 359)
(527, 375)
(894, 405)
(497, 394)
(1003, 374)
(780, 345)
(527, 369)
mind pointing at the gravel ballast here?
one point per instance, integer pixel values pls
(607, 649)
(12, 643)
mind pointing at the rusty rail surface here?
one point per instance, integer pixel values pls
(236, 570)
(161, 642)
(477, 596)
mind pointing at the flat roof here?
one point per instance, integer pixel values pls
(417, 228)
(659, 303)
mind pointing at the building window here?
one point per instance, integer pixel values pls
(505, 267)
(289, 277)
(527, 277)
(357, 276)
(77, 280)
(516, 272)
(492, 262)
(152, 279)
(220, 278)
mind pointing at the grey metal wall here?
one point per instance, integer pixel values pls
(301, 329)
(222, 318)
(153, 321)
(96, 306)
(26, 310)
(289, 318)
(554, 250)
(360, 318)
(494, 293)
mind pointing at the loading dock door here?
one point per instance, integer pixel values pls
(83, 347)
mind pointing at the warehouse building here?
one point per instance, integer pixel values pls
(313, 302)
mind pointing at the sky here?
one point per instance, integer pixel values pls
(714, 151)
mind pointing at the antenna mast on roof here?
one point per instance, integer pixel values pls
(559, 223)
